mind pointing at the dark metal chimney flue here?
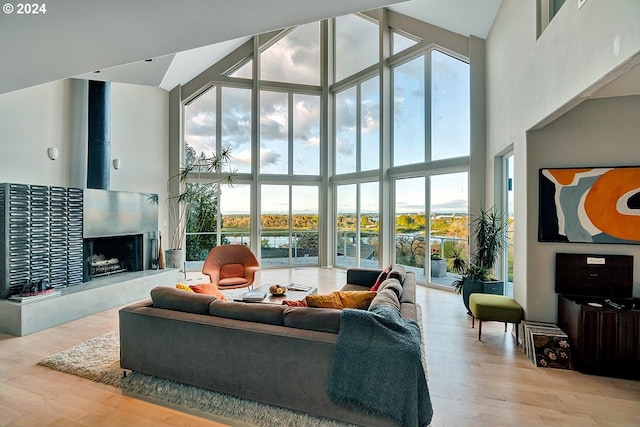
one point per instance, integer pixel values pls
(99, 130)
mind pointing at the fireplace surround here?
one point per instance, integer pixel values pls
(71, 228)
(54, 234)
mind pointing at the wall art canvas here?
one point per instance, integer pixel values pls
(590, 205)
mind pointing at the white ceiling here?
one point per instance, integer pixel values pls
(77, 37)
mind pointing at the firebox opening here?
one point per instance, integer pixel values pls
(111, 255)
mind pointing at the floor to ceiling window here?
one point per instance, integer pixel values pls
(431, 145)
(290, 148)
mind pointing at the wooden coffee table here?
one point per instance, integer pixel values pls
(289, 295)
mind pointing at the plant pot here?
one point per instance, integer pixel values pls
(174, 258)
(469, 287)
(438, 267)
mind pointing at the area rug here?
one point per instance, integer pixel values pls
(98, 359)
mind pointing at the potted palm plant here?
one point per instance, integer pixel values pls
(188, 194)
(489, 231)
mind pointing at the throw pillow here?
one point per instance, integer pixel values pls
(381, 278)
(295, 303)
(356, 299)
(342, 299)
(183, 287)
(324, 301)
(208, 289)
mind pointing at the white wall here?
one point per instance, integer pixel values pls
(55, 114)
(30, 121)
(530, 81)
(600, 132)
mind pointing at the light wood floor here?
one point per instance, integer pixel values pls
(472, 383)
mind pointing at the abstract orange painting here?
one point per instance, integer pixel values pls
(590, 205)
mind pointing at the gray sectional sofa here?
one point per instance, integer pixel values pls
(274, 354)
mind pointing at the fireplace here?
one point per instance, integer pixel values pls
(119, 231)
(105, 256)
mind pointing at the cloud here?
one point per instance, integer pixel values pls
(272, 129)
(236, 122)
(308, 142)
(346, 110)
(295, 57)
(306, 120)
(241, 158)
(345, 147)
(269, 157)
(355, 34)
(370, 116)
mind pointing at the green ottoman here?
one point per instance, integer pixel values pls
(498, 308)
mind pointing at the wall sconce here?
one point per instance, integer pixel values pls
(52, 152)
(116, 163)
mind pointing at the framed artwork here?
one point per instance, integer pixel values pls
(590, 205)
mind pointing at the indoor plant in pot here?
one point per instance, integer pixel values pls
(438, 264)
(489, 231)
(202, 172)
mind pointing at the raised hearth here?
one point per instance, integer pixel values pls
(102, 293)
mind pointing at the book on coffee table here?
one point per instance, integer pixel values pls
(253, 296)
(296, 287)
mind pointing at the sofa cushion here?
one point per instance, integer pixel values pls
(208, 289)
(381, 277)
(262, 313)
(232, 281)
(409, 289)
(313, 319)
(175, 299)
(342, 299)
(398, 272)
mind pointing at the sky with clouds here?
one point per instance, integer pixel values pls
(296, 58)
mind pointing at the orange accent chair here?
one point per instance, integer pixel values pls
(231, 266)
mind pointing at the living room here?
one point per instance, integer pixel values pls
(548, 101)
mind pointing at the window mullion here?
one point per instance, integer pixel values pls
(427, 108)
(290, 132)
(359, 127)
(218, 131)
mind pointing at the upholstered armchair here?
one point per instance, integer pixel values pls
(231, 266)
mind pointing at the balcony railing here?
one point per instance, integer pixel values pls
(274, 246)
(274, 250)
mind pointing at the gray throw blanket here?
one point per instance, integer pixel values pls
(377, 366)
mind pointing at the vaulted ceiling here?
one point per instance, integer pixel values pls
(75, 38)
